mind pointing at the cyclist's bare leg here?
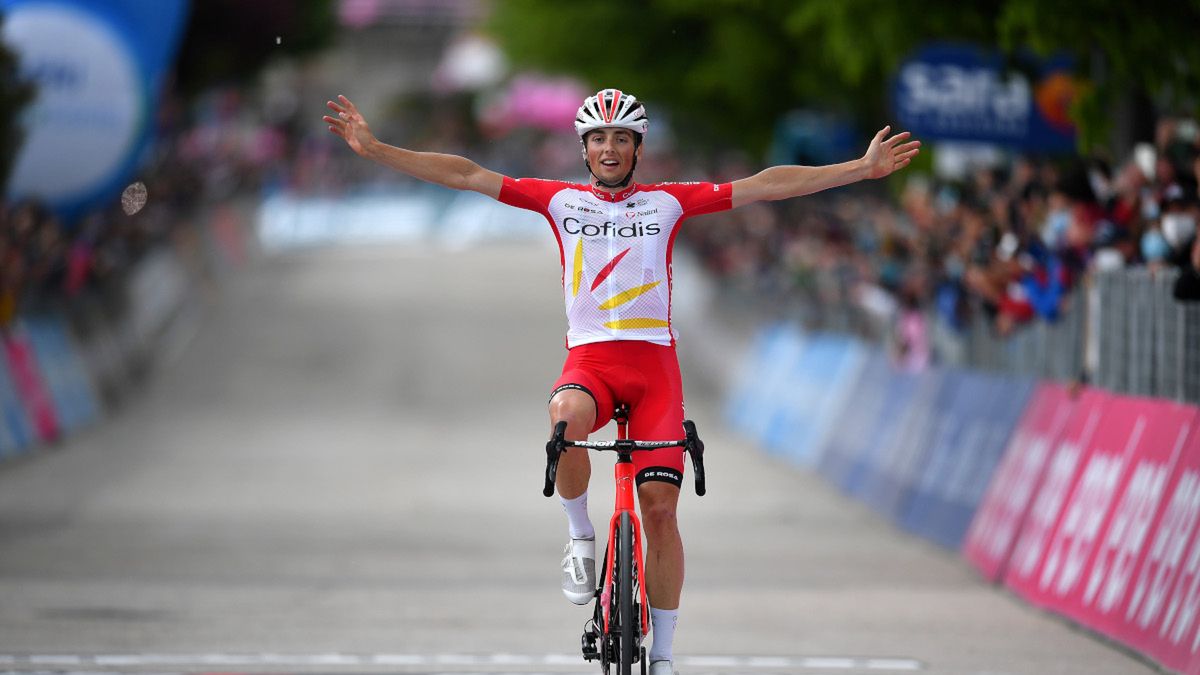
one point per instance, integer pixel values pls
(664, 546)
(574, 467)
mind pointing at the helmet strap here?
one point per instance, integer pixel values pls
(620, 184)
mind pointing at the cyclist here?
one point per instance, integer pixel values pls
(615, 238)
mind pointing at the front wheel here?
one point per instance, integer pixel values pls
(624, 585)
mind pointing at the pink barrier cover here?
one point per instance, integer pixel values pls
(30, 386)
(1103, 531)
(1067, 457)
(1158, 613)
(989, 541)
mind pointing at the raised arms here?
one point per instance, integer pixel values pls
(452, 171)
(782, 182)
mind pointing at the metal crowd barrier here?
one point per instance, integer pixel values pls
(1122, 329)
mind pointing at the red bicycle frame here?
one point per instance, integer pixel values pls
(598, 640)
(623, 473)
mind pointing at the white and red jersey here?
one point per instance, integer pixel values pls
(615, 250)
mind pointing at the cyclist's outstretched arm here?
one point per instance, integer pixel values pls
(452, 171)
(883, 157)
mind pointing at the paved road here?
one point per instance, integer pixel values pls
(341, 473)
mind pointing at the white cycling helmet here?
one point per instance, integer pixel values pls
(610, 108)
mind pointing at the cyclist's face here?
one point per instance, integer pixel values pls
(610, 152)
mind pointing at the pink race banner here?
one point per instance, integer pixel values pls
(1062, 468)
(1127, 485)
(30, 386)
(1120, 437)
(989, 541)
(1103, 533)
(1159, 611)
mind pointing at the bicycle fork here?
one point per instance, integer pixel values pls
(624, 503)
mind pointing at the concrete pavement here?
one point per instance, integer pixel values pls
(342, 473)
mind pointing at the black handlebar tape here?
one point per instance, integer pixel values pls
(696, 450)
(554, 448)
(698, 467)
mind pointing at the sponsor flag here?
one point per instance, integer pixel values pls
(98, 66)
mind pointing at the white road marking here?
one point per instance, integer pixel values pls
(894, 664)
(768, 662)
(398, 659)
(830, 662)
(78, 663)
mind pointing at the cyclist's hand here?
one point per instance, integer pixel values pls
(885, 156)
(349, 124)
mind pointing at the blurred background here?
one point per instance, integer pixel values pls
(153, 151)
(1059, 165)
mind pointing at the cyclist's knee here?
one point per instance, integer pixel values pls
(659, 518)
(576, 408)
(659, 502)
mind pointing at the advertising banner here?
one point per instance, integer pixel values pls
(1103, 530)
(960, 465)
(98, 67)
(990, 539)
(1114, 549)
(854, 424)
(1063, 466)
(819, 383)
(16, 432)
(63, 370)
(769, 363)
(1164, 597)
(963, 93)
(873, 433)
(23, 368)
(888, 483)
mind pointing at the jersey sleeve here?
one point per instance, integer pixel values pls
(532, 194)
(700, 198)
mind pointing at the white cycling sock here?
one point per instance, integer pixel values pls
(578, 522)
(663, 621)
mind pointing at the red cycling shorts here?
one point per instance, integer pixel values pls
(644, 376)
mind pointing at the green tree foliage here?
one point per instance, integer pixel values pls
(16, 95)
(1123, 49)
(727, 69)
(229, 41)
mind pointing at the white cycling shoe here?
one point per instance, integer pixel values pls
(579, 571)
(662, 668)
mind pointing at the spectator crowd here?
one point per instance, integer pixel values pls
(47, 264)
(1008, 245)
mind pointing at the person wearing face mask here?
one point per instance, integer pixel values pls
(1178, 226)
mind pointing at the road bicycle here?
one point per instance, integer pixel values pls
(621, 618)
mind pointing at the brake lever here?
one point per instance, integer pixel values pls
(554, 448)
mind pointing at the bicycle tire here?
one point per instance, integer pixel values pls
(625, 586)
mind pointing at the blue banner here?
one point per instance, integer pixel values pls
(63, 370)
(854, 422)
(98, 66)
(887, 484)
(817, 389)
(877, 433)
(764, 376)
(963, 456)
(962, 93)
(16, 432)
